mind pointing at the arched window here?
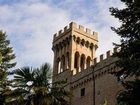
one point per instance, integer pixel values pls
(74, 37)
(58, 65)
(82, 62)
(87, 44)
(76, 61)
(82, 42)
(91, 46)
(67, 61)
(63, 63)
(78, 40)
(88, 61)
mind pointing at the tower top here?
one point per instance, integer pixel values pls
(77, 28)
(74, 48)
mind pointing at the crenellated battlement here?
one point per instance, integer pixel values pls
(73, 27)
(104, 56)
(71, 44)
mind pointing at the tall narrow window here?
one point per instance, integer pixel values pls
(76, 60)
(58, 65)
(82, 62)
(82, 92)
(67, 61)
(88, 61)
(63, 63)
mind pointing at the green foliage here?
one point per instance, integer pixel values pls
(129, 54)
(34, 87)
(0, 58)
(105, 102)
(121, 103)
(6, 56)
(129, 31)
(131, 94)
(6, 52)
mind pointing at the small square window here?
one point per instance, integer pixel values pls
(83, 92)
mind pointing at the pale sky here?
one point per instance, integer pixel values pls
(30, 25)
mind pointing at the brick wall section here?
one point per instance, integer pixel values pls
(106, 85)
(106, 89)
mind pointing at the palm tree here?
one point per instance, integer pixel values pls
(35, 87)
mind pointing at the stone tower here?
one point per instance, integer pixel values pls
(74, 49)
(89, 78)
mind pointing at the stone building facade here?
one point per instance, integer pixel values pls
(89, 79)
